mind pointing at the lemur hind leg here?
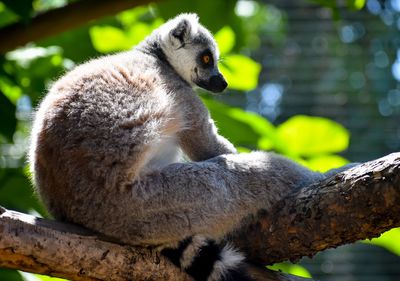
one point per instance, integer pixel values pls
(209, 197)
(198, 203)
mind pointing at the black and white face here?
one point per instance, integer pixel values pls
(193, 52)
(206, 73)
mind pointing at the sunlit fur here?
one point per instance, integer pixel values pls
(183, 56)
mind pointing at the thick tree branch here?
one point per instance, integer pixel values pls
(62, 19)
(357, 204)
(63, 250)
(57, 249)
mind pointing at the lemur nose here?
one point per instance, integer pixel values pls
(218, 83)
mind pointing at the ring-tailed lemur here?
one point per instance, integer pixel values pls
(105, 150)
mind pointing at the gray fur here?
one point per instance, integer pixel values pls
(107, 137)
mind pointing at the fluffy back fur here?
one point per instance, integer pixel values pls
(106, 145)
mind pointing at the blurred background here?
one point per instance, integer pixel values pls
(317, 81)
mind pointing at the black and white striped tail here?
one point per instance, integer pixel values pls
(205, 260)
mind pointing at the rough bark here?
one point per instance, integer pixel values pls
(62, 19)
(357, 204)
(57, 249)
(63, 250)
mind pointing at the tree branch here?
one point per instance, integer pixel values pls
(64, 250)
(57, 249)
(62, 19)
(357, 204)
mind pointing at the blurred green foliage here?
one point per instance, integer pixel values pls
(388, 240)
(311, 141)
(25, 74)
(240, 71)
(133, 30)
(294, 269)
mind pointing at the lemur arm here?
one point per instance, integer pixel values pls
(201, 140)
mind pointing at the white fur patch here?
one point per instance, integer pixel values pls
(164, 152)
(193, 20)
(230, 258)
(184, 60)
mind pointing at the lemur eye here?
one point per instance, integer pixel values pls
(206, 59)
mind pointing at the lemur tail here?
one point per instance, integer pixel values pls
(205, 260)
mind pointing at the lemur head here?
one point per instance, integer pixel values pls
(192, 51)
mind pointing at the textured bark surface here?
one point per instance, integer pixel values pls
(58, 249)
(357, 204)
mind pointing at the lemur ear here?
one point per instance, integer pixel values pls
(181, 32)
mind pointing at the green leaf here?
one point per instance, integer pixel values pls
(22, 8)
(213, 14)
(225, 38)
(137, 24)
(107, 39)
(138, 31)
(356, 4)
(6, 16)
(16, 192)
(37, 277)
(10, 275)
(240, 127)
(241, 72)
(28, 67)
(324, 163)
(388, 240)
(132, 16)
(9, 90)
(260, 125)
(309, 136)
(289, 268)
(359, 4)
